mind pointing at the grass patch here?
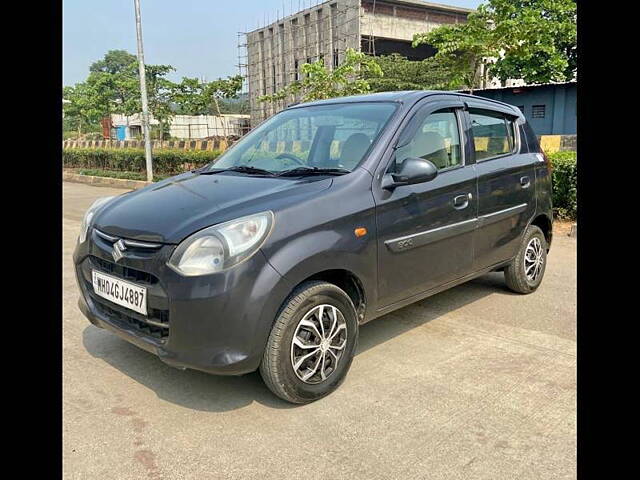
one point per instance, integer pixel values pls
(119, 174)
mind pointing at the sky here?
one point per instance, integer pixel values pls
(198, 37)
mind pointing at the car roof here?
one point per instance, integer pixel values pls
(404, 96)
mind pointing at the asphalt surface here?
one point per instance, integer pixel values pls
(475, 382)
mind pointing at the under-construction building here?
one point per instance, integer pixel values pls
(273, 55)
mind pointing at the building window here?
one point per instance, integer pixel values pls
(521, 108)
(537, 111)
(296, 72)
(309, 60)
(335, 58)
(273, 79)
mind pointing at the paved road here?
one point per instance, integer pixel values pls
(474, 382)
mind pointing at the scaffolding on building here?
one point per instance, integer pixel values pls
(304, 42)
(270, 57)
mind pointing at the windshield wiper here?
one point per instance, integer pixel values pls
(239, 168)
(298, 171)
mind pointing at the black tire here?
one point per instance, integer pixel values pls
(515, 274)
(277, 367)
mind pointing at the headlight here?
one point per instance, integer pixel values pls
(88, 217)
(222, 246)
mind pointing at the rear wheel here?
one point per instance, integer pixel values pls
(524, 274)
(311, 344)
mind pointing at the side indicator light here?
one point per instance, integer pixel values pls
(360, 232)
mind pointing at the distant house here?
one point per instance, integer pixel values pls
(183, 126)
(129, 127)
(550, 108)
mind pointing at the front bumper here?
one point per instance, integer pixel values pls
(215, 323)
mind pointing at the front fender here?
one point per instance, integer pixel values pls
(318, 235)
(321, 250)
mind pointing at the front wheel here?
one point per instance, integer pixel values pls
(311, 344)
(524, 273)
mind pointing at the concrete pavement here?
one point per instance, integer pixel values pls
(475, 382)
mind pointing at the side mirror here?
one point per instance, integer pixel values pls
(413, 170)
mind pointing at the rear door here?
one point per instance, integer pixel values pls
(425, 231)
(506, 182)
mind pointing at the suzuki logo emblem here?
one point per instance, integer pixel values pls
(118, 248)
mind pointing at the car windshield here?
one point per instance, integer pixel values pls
(309, 139)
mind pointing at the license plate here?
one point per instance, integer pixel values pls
(118, 291)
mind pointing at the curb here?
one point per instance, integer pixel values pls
(104, 181)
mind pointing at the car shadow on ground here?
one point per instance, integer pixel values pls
(201, 391)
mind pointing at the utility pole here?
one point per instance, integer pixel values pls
(143, 94)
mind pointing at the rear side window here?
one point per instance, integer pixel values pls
(493, 133)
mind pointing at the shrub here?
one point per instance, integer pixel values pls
(165, 162)
(565, 184)
(118, 174)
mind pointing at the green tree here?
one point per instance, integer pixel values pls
(113, 62)
(399, 73)
(160, 93)
(232, 105)
(107, 89)
(223, 89)
(82, 108)
(194, 97)
(465, 49)
(320, 82)
(113, 78)
(534, 40)
(190, 98)
(115, 86)
(538, 39)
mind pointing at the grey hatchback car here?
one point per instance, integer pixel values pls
(326, 216)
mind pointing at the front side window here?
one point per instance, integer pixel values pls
(437, 139)
(493, 133)
(323, 136)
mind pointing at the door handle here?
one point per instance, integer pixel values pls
(525, 182)
(462, 201)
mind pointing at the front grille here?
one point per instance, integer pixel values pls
(155, 324)
(107, 309)
(125, 273)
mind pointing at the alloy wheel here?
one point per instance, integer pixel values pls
(318, 343)
(533, 259)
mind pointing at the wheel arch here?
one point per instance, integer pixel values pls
(347, 281)
(544, 223)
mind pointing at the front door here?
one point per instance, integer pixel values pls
(425, 231)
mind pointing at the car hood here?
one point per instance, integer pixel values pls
(171, 210)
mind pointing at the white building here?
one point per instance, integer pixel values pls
(188, 127)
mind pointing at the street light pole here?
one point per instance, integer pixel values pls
(143, 94)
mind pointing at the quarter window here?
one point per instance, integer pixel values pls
(437, 139)
(493, 133)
